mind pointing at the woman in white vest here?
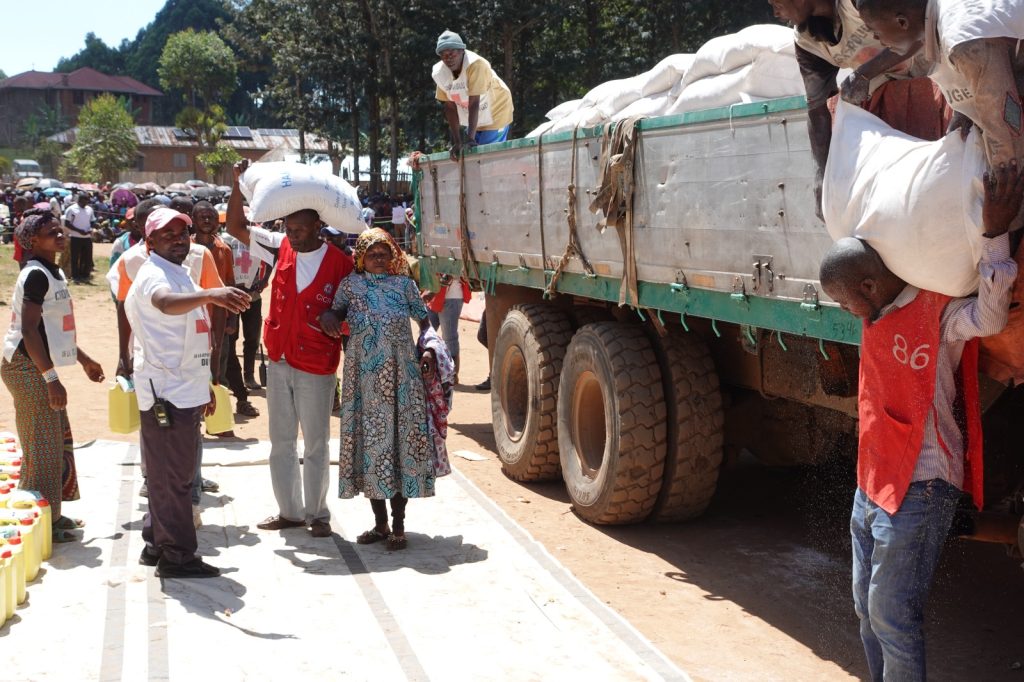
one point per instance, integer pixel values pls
(474, 97)
(40, 339)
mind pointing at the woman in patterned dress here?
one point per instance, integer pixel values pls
(42, 336)
(386, 446)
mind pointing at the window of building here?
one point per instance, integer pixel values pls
(180, 160)
(78, 96)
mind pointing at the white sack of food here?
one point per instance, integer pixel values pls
(774, 75)
(277, 188)
(584, 118)
(563, 109)
(727, 53)
(917, 203)
(650, 107)
(666, 74)
(543, 129)
(615, 95)
(714, 91)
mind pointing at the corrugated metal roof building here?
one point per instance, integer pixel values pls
(168, 154)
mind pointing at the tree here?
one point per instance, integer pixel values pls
(96, 55)
(200, 65)
(105, 143)
(2, 75)
(49, 154)
(219, 160)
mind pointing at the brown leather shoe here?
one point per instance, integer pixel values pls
(278, 523)
(320, 529)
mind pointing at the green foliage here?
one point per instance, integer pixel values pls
(2, 75)
(49, 154)
(219, 160)
(106, 142)
(97, 55)
(6, 166)
(200, 65)
(44, 122)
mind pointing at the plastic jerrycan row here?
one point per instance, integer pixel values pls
(26, 526)
(11, 542)
(6, 587)
(31, 501)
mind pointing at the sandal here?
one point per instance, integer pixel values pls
(65, 523)
(64, 536)
(373, 535)
(396, 542)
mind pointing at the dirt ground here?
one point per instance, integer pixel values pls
(757, 589)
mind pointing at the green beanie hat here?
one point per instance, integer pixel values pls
(449, 41)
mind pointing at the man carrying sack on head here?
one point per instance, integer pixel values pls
(474, 97)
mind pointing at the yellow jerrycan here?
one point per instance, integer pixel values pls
(222, 419)
(122, 408)
(7, 578)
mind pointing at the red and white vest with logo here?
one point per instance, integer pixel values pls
(292, 328)
(899, 355)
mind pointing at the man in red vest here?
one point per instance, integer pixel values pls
(304, 360)
(920, 424)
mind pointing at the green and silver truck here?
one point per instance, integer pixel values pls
(630, 355)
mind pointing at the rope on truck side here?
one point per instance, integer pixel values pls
(614, 197)
(573, 248)
(470, 269)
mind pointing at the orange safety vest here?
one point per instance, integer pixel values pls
(898, 363)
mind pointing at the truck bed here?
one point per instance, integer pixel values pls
(724, 224)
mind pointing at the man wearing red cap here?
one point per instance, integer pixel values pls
(172, 377)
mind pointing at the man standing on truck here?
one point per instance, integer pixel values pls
(920, 424)
(830, 36)
(972, 49)
(474, 97)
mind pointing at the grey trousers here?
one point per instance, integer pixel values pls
(296, 398)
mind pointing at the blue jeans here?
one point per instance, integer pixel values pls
(894, 559)
(447, 321)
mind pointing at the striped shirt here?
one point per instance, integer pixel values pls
(962, 320)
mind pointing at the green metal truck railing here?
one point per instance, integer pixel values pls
(807, 318)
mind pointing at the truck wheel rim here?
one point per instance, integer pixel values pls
(515, 393)
(589, 433)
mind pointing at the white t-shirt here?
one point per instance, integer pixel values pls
(949, 23)
(172, 351)
(266, 246)
(82, 219)
(398, 215)
(454, 290)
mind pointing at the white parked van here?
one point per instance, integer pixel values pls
(27, 168)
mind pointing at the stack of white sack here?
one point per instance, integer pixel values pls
(277, 188)
(758, 63)
(917, 203)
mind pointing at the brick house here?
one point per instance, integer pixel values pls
(29, 93)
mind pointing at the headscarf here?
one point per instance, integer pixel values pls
(396, 266)
(34, 220)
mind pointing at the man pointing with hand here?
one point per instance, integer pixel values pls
(172, 379)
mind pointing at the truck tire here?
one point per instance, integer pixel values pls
(583, 315)
(612, 434)
(696, 425)
(528, 357)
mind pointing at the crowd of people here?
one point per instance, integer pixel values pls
(187, 281)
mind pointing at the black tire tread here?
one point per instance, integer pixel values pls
(696, 427)
(550, 333)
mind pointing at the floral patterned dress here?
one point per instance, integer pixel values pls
(386, 447)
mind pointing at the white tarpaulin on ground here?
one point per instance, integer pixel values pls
(757, 63)
(917, 203)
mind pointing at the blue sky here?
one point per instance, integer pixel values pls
(59, 30)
